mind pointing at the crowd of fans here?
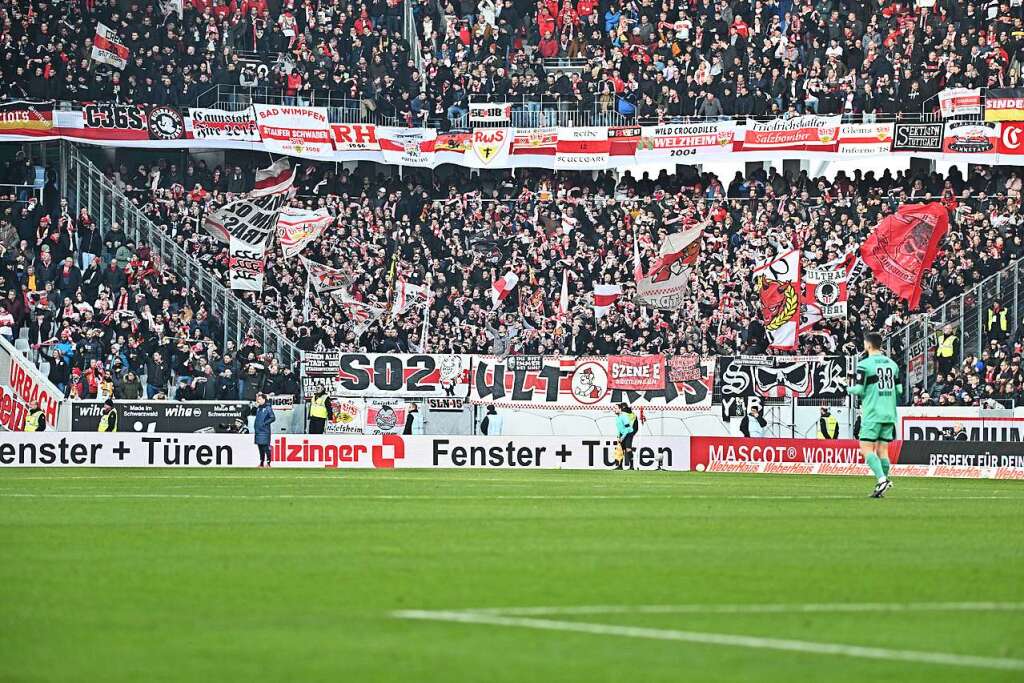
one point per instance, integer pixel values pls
(457, 233)
(643, 58)
(107, 320)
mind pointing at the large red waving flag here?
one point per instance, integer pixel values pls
(903, 247)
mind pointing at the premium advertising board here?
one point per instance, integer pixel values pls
(163, 416)
(387, 451)
(973, 428)
(706, 452)
(974, 454)
(962, 460)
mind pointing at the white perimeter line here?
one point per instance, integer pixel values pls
(356, 496)
(941, 658)
(777, 608)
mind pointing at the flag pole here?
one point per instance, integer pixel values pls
(305, 303)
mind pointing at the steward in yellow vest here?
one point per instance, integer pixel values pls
(997, 322)
(828, 425)
(35, 420)
(108, 420)
(318, 412)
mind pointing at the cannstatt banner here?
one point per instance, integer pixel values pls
(307, 132)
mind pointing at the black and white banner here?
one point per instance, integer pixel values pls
(820, 377)
(386, 374)
(163, 416)
(247, 224)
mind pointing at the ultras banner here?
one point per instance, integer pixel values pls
(306, 132)
(385, 451)
(566, 383)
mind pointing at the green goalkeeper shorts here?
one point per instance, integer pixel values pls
(878, 431)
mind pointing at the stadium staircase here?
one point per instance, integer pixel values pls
(913, 346)
(85, 186)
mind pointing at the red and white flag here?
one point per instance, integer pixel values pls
(666, 286)
(778, 285)
(108, 48)
(360, 315)
(503, 286)
(638, 268)
(324, 278)
(563, 298)
(408, 296)
(605, 297)
(298, 227)
(276, 178)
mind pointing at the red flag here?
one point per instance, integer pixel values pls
(903, 246)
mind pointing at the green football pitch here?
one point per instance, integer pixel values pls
(285, 575)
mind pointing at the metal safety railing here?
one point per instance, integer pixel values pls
(85, 186)
(914, 345)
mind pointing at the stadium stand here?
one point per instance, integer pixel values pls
(636, 60)
(104, 318)
(458, 232)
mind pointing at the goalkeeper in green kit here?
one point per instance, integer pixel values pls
(879, 386)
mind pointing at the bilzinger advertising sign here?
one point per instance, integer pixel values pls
(386, 451)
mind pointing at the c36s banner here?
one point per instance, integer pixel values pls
(567, 383)
(398, 375)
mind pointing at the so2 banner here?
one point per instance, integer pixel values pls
(386, 374)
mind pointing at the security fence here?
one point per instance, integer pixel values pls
(86, 187)
(914, 345)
